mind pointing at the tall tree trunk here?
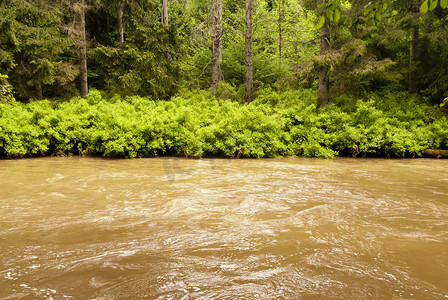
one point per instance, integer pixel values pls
(83, 51)
(39, 94)
(216, 46)
(219, 35)
(249, 82)
(280, 29)
(120, 22)
(165, 12)
(324, 85)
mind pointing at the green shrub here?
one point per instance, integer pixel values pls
(198, 124)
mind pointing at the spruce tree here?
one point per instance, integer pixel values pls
(35, 49)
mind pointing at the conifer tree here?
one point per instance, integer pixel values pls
(33, 46)
(147, 63)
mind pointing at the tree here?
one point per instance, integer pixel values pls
(413, 52)
(147, 63)
(35, 50)
(216, 44)
(165, 13)
(277, 56)
(115, 10)
(77, 30)
(120, 22)
(82, 44)
(330, 11)
(411, 17)
(324, 84)
(249, 82)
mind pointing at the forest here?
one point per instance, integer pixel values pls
(223, 78)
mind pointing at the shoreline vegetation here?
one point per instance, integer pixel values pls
(198, 124)
(236, 79)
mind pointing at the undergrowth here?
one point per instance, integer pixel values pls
(198, 125)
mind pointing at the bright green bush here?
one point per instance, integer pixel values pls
(197, 125)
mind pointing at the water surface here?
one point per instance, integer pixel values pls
(170, 228)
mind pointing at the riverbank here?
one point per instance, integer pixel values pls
(198, 125)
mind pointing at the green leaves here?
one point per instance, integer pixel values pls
(444, 102)
(336, 15)
(375, 10)
(424, 7)
(35, 50)
(6, 93)
(275, 124)
(432, 4)
(332, 10)
(320, 22)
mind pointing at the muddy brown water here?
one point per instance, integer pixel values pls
(170, 228)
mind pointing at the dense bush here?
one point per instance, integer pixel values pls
(197, 125)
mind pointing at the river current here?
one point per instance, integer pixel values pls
(172, 228)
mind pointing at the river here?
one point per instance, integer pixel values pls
(172, 228)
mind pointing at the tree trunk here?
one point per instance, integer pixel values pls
(324, 86)
(219, 36)
(249, 82)
(120, 22)
(412, 60)
(165, 12)
(83, 51)
(39, 94)
(216, 46)
(280, 20)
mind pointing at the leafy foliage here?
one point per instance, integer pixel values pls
(432, 4)
(277, 25)
(6, 94)
(276, 124)
(35, 50)
(147, 64)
